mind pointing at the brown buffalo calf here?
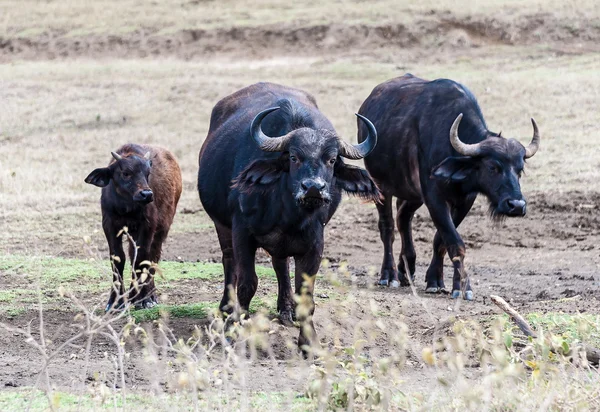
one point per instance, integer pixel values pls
(140, 190)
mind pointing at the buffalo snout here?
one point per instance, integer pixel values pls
(313, 186)
(144, 196)
(515, 207)
(313, 193)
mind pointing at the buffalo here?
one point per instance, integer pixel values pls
(271, 174)
(140, 190)
(435, 148)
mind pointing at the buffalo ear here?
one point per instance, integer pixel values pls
(99, 177)
(356, 181)
(455, 169)
(258, 176)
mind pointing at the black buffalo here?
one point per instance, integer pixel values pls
(276, 193)
(420, 159)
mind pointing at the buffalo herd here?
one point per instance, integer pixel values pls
(271, 175)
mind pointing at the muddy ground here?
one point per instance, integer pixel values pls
(534, 263)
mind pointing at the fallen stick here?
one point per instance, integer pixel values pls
(516, 317)
(592, 354)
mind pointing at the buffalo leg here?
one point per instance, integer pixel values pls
(149, 285)
(285, 300)
(389, 273)
(458, 215)
(226, 243)
(117, 258)
(307, 267)
(448, 240)
(435, 272)
(142, 291)
(244, 249)
(406, 211)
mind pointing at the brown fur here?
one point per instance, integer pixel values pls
(147, 223)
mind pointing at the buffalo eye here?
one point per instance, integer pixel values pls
(294, 159)
(126, 175)
(494, 169)
(332, 160)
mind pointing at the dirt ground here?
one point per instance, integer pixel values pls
(534, 263)
(546, 261)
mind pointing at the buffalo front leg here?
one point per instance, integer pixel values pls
(307, 267)
(244, 250)
(448, 240)
(285, 300)
(117, 259)
(406, 211)
(143, 289)
(389, 273)
(460, 278)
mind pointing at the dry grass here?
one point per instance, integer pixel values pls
(60, 120)
(113, 17)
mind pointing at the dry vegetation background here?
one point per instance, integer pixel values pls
(78, 79)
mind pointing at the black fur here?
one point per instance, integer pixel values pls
(415, 162)
(276, 201)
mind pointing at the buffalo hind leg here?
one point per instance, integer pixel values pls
(230, 283)
(389, 273)
(285, 300)
(435, 272)
(406, 211)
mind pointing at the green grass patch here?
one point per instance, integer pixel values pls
(89, 277)
(35, 400)
(579, 327)
(571, 327)
(191, 310)
(195, 310)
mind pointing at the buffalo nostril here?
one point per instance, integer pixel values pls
(317, 184)
(146, 195)
(516, 206)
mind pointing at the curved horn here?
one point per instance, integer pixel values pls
(535, 141)
(266, 143)
(116, 156)
(464, 149)
(361, 150)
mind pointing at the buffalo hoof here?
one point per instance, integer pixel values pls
(394, 284)
(432, 290)
(383, 282)
(146, 303)
(468, 295)
(455, 294)
(287, 317)
(405, 281)
(112, 307)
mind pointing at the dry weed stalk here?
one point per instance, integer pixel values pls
(592, 355)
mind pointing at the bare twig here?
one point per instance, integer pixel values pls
(515, 316)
